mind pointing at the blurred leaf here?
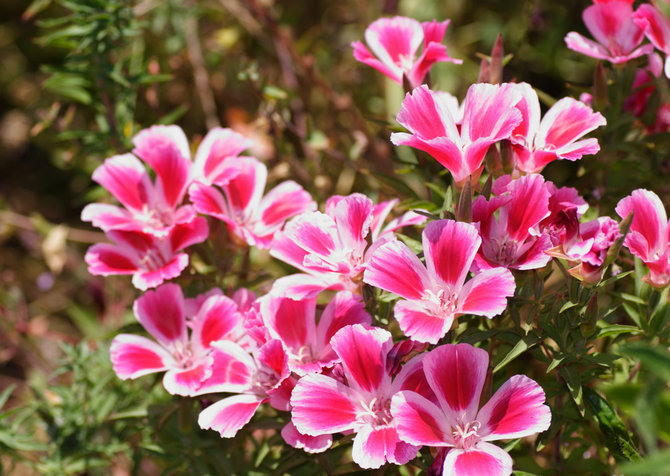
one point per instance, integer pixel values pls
(656, 359)
(656, 465)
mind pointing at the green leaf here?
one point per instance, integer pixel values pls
(573, 379)
(519, 348)
(4, 396)
(617, 329)
(631, 298)
(617, 438)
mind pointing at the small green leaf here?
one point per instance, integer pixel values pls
(617, 329)
(519, 348)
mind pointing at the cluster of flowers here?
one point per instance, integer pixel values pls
(332, 369)
(619, 32)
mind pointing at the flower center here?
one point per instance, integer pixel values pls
(505, 252)
(377, 412)
(153, 259)
(465, 434)
(304, 354)
(444, 300)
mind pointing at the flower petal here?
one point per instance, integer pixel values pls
(126, 178)
(394, 268)
(311, 444)
(484, 458)
(419, 421)
(229, 415)
(486, 294)
(419, 324)
(449, 248)
(516, 410)
(161, 312)
(134, 356)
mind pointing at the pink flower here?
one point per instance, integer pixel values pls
(456, 374)
(149, 259)
(437, 293)
(489, 115)
(649, 235)
(217, 155)
(656, 27)
(323, 405)
(509, 224)
(306, 342)
(536, 143)
(250, 216)
(331, 247)
(187, 359)
(611, 24)
(254, 378)
(396, 41)
(566, 206)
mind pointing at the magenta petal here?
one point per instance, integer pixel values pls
(655, 25)
(109, 217)
(419, 421)
(650, 221)
(353, 216)
(232, 369)
(283, 202)
(484, 458)
(229, 415)
(363, 353)
(291, 321)
(315, 232)
(208, 201)
(217, 319)
(580, 44)
(218, 145)
(322, 405)
(456, 373)
(186, 382)
(394, 268)
(126, 178)
(161, 313)
(418, 323)
(134, 356)
(517, 409)
(165, 149)
(145, 279)
(362, 54)
(486, 294)
(105, 259)
(423, 114)
(449, 248)
(244, 191)
(311, 444)
(187, 234)
(567, 121)
(373, 446)
(489, 112)
(306, 286)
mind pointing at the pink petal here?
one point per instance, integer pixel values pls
(394, 268)
(580, 44)
(187, 234)
(343, 310)
(432, 53)
(208, 201)
(433, 31)
(484, 458)
(363, 353)
(285, 201)
(229, 415)
(217, 319)
(109, 217)
(291, 321)
(322, 405)
(655, 25)
(456, 373)
(306, 286)
(428, 115)
(134, 356)
(529, 107)
(567, 121)
(105, 259)
(126, 178)
(272, 357)
(186, 382)
(490, 112)
(315, 232)
(374, 446)
(165, 149)
(420, 324)
(528, 206)
(362, 54)
(419, 421)
(311, 444)
(161, 313)
(650, 221)
(411, 377)
(353, 216)
(442, 149)
(612, 24)
(449, 248)
(516, 410)
(394, 40)
(145, 279)
(244, 191)
(219, 144)
(233, 369)
(486, 294)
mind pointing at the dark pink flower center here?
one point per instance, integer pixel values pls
(465, 434)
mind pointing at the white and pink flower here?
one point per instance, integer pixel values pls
(395, 43)
(436, 293)
(456, 375)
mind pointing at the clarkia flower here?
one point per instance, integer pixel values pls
(332, 247)
(151, 260)
(509, 224)
(395, 43)
(323, 405)
(250, 217)
(617, 36)
(437, 293)
(556, 136)
(185, 358)
(489, 115)
(649, 235)
(456, 375)
(253, 377)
